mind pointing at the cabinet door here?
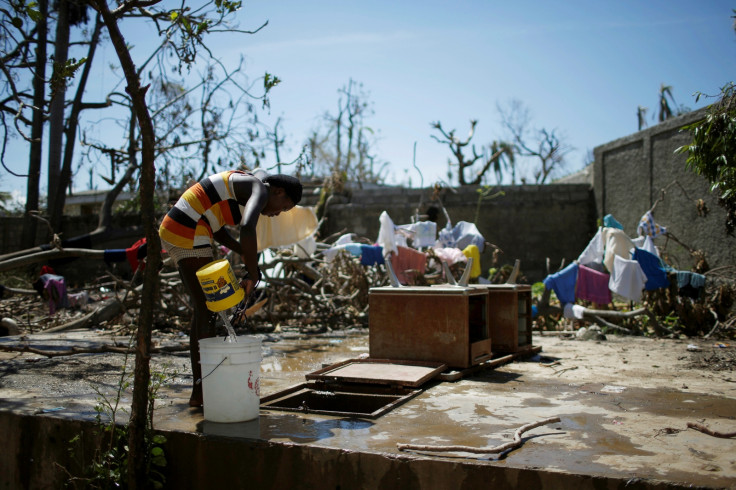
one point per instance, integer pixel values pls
(504, 320)
(423, 328)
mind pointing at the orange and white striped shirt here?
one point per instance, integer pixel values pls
(201, 211)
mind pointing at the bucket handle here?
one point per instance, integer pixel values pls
(213, 370)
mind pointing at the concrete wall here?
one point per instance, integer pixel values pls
(530, 223)
(36, 455)
(630, 174)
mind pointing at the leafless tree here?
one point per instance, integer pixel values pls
(343, 146)
(186, 28)
(23, 46)
(546, 147)
(497, 157)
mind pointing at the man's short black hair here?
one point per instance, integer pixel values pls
(291, 186)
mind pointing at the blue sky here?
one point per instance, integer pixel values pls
(579, 67)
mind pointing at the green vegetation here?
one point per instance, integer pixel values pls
(712, 152)
(108, 467)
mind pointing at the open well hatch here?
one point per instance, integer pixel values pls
(366, 388)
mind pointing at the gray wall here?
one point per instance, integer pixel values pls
(630, 174)
(531, 223)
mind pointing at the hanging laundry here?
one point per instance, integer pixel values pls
(653, 268)
(610, 222)
(287, 228)
(345, 238)
(471, 251)
(649, 246)
(423, 233)
(445, 239)
(639, 241)
(461, 235)
(113, 255)
(450, 255)
(135, 253)
(563, 283)
(406, 261)
(386, 234)
(371, 254)
(616, 243)
(593, 253)
(647, 226)
(573, 311)
(304, 249)
(353, 248)
(468, 234)
(593, 286)
(690, 284)
(627, 278)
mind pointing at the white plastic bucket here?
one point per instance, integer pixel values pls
(231, 377)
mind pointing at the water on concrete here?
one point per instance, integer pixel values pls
(623, 403)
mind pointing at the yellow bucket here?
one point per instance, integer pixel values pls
(221, 289)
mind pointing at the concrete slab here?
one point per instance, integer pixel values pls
(624, 405)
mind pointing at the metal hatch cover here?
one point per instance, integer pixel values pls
(379, 371)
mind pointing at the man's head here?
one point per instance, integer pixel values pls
(285, 192)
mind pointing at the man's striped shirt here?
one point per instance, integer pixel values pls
(201, 211)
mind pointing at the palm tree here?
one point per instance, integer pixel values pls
(665, 110)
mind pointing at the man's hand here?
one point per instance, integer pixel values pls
(248, 285)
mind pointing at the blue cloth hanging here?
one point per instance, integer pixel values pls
(653, 268)
(563, 283)
(610, 222)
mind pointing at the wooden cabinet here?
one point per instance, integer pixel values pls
(447, 324)
(509, 316)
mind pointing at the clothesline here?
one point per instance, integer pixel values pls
(614, 263)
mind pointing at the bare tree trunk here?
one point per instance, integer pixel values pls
(103, 224)
(39, 96)
(106, 211)
(56, 207)
(137, 457)
(56, 107)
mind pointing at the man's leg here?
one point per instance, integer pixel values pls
(202, 324)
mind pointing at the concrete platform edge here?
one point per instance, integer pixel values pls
(36, 455)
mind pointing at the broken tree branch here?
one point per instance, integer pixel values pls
(106, 311)
(89, 350)
(612, 326)
(469, 449)
(710, 432)
(33, 258)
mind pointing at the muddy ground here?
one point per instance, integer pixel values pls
(695, 365)
(625, 402)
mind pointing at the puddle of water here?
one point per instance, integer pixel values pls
(303, 429)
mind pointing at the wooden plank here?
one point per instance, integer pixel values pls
(402, 373)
